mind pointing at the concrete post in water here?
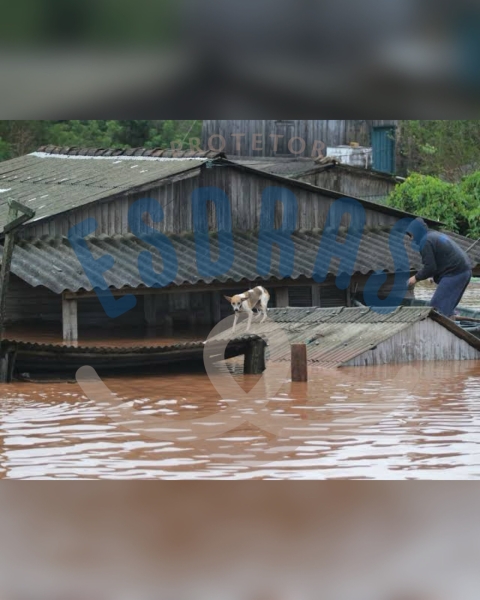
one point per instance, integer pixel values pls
(299, 363)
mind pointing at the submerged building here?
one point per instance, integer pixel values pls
(91, 193)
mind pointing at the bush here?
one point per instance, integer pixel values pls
(435, 199)
(471, 189)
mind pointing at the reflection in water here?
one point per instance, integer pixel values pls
(345, 423)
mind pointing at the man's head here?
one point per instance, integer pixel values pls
(417, 230)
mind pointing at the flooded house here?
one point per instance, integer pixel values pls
(84, 202)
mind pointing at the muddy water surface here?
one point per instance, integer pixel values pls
(418, 422)
(352, 423)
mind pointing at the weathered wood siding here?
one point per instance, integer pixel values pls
(244, 190)
(361, 184)
(330, 133)
(28, 304)
(423, 341)
(112, 215)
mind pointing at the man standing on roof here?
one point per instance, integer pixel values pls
(445, 262)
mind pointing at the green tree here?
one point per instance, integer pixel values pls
(20, 137)
(445, 149)
(471, 189)
(455, 205)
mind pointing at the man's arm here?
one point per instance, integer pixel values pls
(429, 263)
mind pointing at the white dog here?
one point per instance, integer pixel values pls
(247, 302)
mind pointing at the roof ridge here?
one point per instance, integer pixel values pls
(132, 152)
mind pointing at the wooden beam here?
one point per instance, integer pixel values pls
(69, 319)
(27, 211)
(16, 223)
(316, 301)
(299, 363)
(348, 296)
(6, 263)
(282, 297)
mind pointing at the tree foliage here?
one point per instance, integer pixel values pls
(21, 137)
(457, 205)
(446, 149)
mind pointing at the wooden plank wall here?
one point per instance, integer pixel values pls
(423, 341)
(359, 185)
(242, 188)
(28, 304)
(332, 133)
(112, 215)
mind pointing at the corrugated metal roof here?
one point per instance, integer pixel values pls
(65, 348)
(51, 182)
(334, 337)
(320, 167)
(287, 167)
(51, 262)
(113, 350)
(299, 167)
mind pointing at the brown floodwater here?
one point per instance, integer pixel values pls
(421, 421)
(471, 298)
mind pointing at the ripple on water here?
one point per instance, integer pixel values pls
(346, 423)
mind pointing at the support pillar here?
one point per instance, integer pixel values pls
(282, 297)
(316, 295)
(69, 319)
(192, 315)
(216, 315)
(150, 309)
(8, 354)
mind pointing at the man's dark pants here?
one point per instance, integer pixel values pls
(449, 292)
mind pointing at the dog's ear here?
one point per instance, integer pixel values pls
(228, 299)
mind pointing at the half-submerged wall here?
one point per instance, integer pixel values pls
(424, 341)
